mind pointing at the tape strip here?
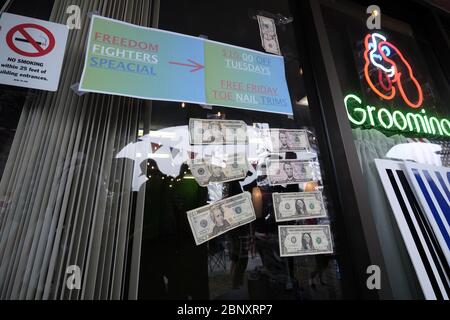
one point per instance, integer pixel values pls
(76, 88)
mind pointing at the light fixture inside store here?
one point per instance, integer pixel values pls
(163, 134)
(159, 156)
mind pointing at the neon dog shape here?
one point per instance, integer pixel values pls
(377, 51)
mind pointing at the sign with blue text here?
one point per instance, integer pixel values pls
(133, 61)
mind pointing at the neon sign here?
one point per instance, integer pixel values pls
(378, 53)
(399, 121)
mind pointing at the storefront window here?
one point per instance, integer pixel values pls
(396, 98)
(103, 186)
(245, 262)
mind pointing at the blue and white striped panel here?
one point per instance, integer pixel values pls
(431, 186)
(420, 239)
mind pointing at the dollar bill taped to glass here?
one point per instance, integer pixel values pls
(292, 171)
(207, 132)
(292, 206)
(303, 240)
(215, 219)
(209, 169)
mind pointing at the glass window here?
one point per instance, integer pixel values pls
(243, 263)
(396, 96)
(98, 187)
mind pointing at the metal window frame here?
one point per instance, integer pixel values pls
(356, 226)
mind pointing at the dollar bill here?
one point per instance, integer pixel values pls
(283, 140)
(203, 131)
(215, 219)
(268, 32)
(298, 205)
(208, 170)
(283, 172)
(304, 240)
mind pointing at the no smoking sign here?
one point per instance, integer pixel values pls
(30, 40)
(31, 52)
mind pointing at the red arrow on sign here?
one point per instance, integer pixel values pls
(195, 65)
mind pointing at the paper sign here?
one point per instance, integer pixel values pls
(31, 52)
(129, 60)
